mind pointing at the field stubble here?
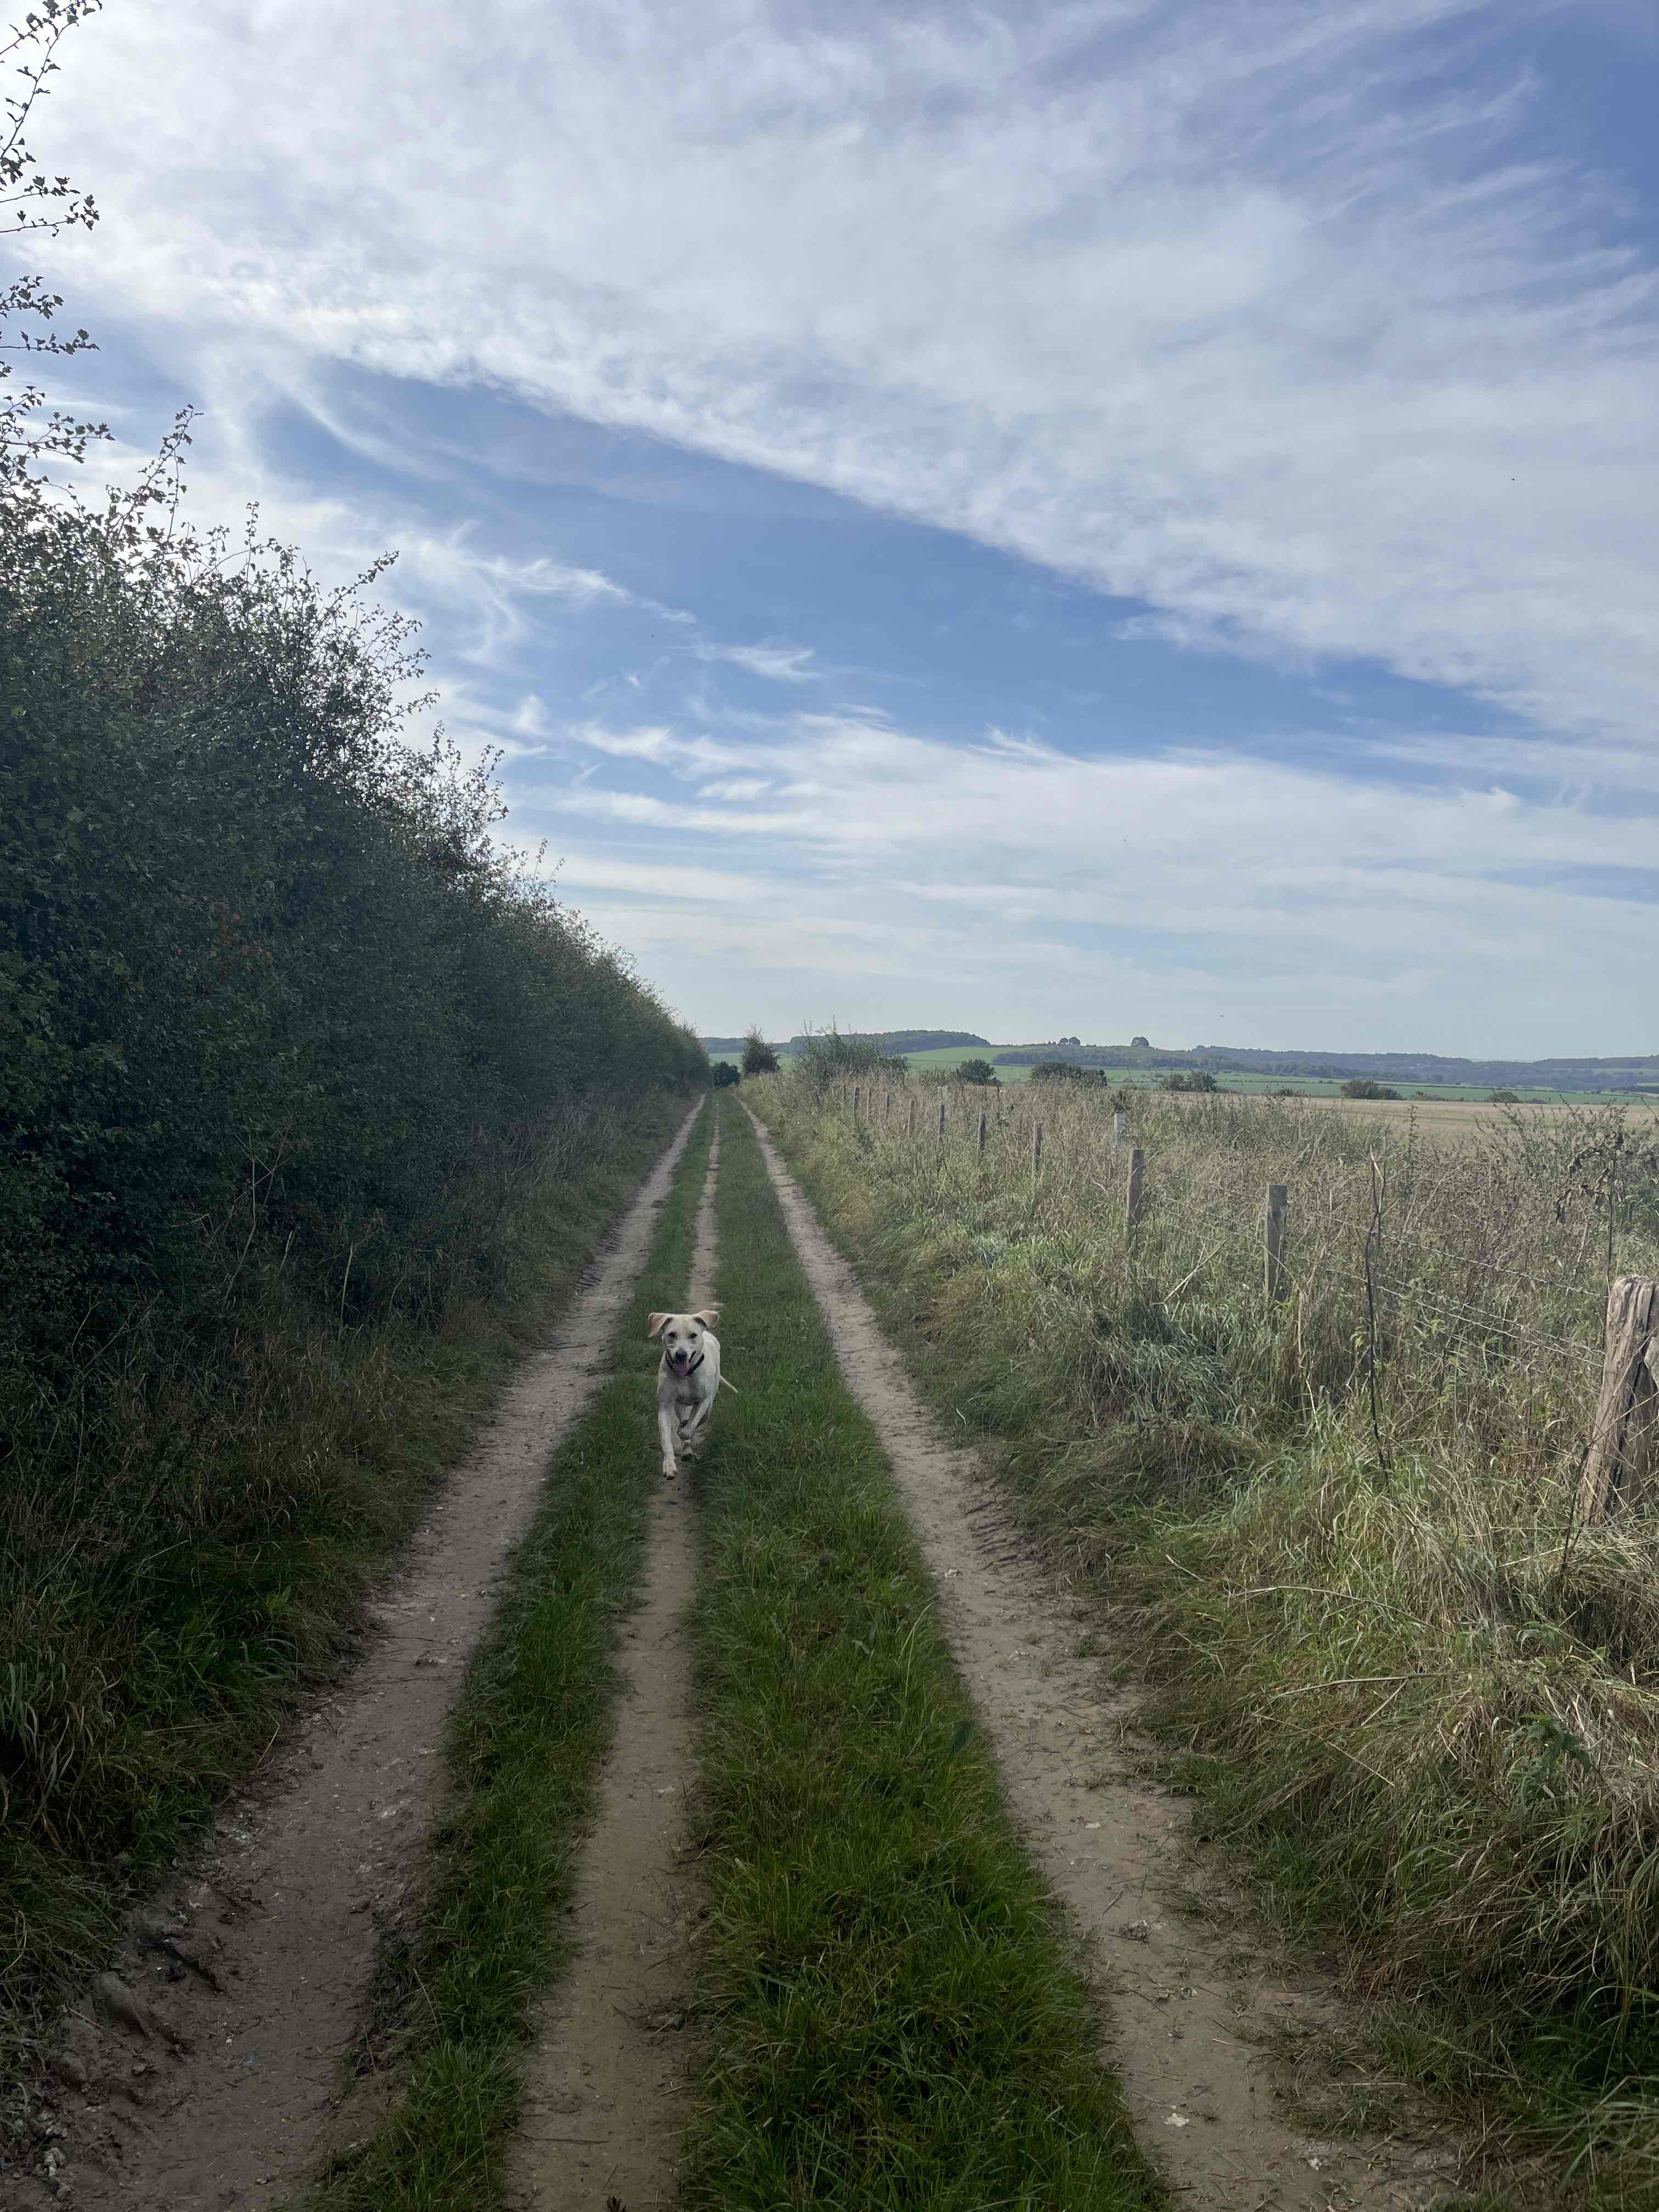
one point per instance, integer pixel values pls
(1388, 1655)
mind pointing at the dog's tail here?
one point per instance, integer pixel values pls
(731, 1386)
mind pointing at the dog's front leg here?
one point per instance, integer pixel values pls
(665, 1433)
(699, 1414)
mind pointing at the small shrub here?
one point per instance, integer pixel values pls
(758, 1057)
(975, 1070)
(723, 1075)
(827, 1055)
(1199, 1079)
(1366, 1086)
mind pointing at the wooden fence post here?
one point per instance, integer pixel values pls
(857, 1093)
(1118, 1121)
(887, 1110)
(1625, 1410)
(982, 1136)
(1132, 1197)
(1036, 1151)
(941, 1117)
(1278, 1279)
(910, 1118)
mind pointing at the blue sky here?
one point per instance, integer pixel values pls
(1075, 519)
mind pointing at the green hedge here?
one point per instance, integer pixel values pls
(261, 966)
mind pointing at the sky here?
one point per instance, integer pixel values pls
(1079, 519)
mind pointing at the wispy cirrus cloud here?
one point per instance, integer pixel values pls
(779, 663)
(1026, 868)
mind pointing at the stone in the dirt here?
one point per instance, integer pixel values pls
(68, 2068)
(119, 2003)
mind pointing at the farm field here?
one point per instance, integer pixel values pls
(1414, 1693)
(943, 1063)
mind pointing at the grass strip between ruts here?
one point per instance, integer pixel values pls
(523, 1751)
(896, 2021)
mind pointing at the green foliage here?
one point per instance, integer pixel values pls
(1055, 1072)
(827, 1055)
(263, 972)
(758, 1057)
(1366, 1086)
(1199, 1079)
(723, 1075)
(975, 1070)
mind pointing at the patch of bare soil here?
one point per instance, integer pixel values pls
(198, 2073)
(607, 2089)
(1201, 2028)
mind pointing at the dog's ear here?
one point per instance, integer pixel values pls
(655, 1323)
(708, 1315)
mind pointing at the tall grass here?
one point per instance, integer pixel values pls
(1428, 1697)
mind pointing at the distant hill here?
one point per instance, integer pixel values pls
(906, 1040)
(1630, 1072)
(889, 1040)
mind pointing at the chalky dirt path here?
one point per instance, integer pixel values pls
(1188, 2046)
(606, 2089)
(199, 2076)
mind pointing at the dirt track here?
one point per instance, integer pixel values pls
(245, 1980)
(1188, 2051)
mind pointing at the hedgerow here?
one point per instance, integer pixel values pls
(313, 1101)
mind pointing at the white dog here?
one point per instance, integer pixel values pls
(688, 1379)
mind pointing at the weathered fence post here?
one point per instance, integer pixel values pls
(910, 1118)
(982, 1136)
(1273, 1241)
(1132, 1196)
(1118, 1120)
(857, 1094)
(1625, 1410)
(887, 1110)
(941, 1117)
(1036, 1151)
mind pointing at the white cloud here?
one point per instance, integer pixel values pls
(1228, 308)
(1211, 306)
(781, 663)
(1013, 879)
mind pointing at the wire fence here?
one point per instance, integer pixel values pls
(1490, 1247)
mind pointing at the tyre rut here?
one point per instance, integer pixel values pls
(606, 2092)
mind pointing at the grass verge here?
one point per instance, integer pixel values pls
(165, 1602)
(897, 2023)
(1417, 1696)
(523, 1752)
